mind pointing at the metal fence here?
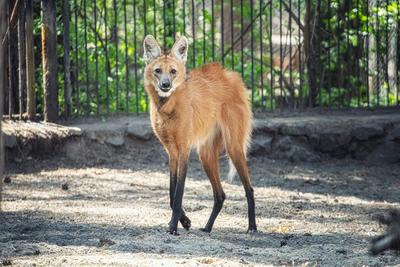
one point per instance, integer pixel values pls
(292, 54)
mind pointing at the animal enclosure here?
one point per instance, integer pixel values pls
(292, 54)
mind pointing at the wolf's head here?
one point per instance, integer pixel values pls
(165, 71)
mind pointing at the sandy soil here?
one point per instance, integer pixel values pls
(116, 213)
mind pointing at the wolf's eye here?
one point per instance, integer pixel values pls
(173, 71)
(158, 70)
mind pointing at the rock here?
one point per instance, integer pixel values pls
(7, 180)
(115, 140)
(388, 152)
(334, 139)
(105, 242)
(395, 134)
(327, 142)
(75, 131)
(301, 154)
(96, 136)
(283, 144)
(6, 262)
(65, 186)
(10, 141)
(294, 129)
(365, 132)
(142, 132)
(261, 144)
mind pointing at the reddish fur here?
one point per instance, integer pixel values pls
(209, 110)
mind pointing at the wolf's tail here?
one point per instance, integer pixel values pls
(232, 171)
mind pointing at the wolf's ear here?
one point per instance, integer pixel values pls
(180, 48)
(151, 49)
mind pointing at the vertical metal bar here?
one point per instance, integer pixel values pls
(21, 59)
(329, 54)
(241, 38)
(107, 68)
(184, 17)
(116, 54)
(126, 62)
(173, 20)
(271, 54)
(348, 86)
(96, 60)
(358, 54)
(378, 82)
(77, 85)
(222, 34)
(154, 19)
(67, 60)
(280, 54)
(204, 31)
(144, 17)
(290, 57)
(10, 66)
(165, 26)
(338, 53)
(87, 111)
(212, 30)
(300, 53)
(398, 54)
(135, 56)
(232, 34)
(387, 54)
(261, 58)
(252, 50)
(194, 35)
(367, 49)
(320, 72)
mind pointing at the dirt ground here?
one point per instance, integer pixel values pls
(115, 212)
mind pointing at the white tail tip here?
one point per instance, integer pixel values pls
(232, 171)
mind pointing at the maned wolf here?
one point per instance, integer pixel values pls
(208, 109)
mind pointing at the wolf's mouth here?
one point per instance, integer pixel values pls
(164, 89)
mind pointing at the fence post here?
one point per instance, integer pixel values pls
(21, 58)
(49, 60)
(3, 16)
(67, 60)
(30, 63)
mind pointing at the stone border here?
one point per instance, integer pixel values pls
(374, 138)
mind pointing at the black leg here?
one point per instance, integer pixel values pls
(178, 195)
(185, 221)
(219, 199)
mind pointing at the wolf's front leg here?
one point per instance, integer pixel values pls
(177, 195)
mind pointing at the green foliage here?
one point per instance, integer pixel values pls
(103, 63)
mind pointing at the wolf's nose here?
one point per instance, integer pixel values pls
(165, 84)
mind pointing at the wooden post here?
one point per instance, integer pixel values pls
(30, 63)
(49, 60)
(67, 61)
(3, 22)
(21, 59)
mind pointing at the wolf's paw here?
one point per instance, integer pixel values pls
(186, 222)
(205, 230)
(252, 230)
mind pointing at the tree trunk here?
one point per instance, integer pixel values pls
(311, 52)
(13, 66)
(30, 62)
(49, 60)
